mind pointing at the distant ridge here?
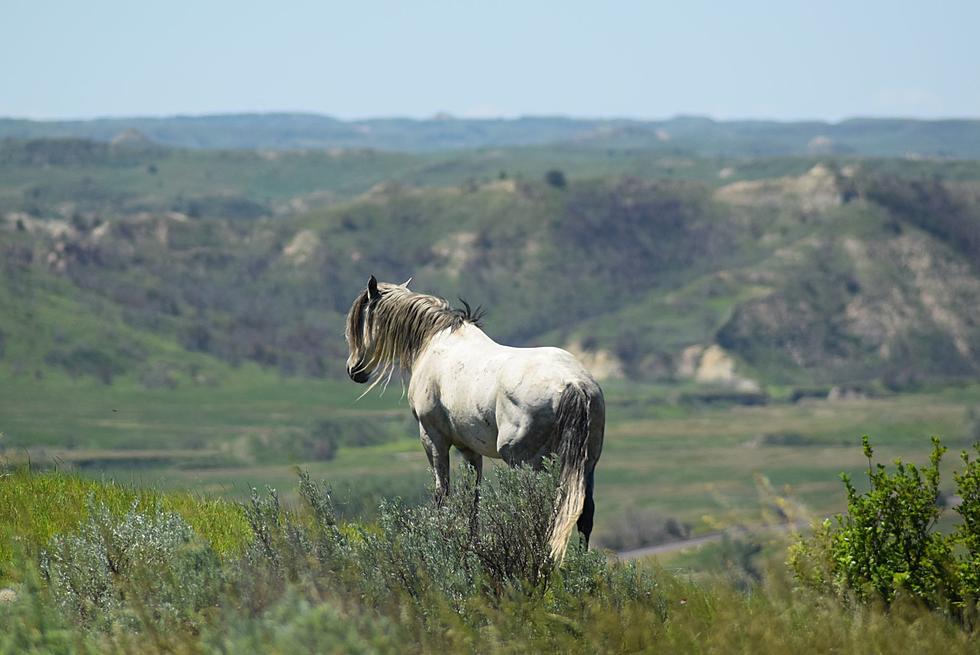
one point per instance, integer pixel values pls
(875, 137)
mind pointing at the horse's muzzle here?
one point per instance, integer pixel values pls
(359, 376)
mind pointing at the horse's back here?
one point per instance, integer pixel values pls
(486, 396)
(538, 376)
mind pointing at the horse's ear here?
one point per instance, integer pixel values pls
(373, 292)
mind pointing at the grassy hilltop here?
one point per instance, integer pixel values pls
(688, 135)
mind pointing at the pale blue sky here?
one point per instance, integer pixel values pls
(748, 59)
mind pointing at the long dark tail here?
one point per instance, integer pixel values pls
(571, 445)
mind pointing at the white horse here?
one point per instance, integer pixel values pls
(487, 400)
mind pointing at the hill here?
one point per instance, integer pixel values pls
(841, 272)
(681, 135)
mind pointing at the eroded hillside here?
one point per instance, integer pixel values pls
(849, 272)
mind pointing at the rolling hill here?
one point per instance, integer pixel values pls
(690, 135)
(778, 271)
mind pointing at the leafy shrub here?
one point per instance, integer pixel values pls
(141, 580)
(145, 568)
(420, 552)
(306, 585)
(496, 540)
(887, 544)
(299, 625)
(288, 541)
(490, 545)
(85, 361)
(516, 511)
(968, 532)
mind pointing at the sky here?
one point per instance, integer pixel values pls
(783, 60)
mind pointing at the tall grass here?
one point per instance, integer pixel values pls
(422, 579)
(34, 507)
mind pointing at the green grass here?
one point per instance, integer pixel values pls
(684, 461)
(36, 506)
(658, 609)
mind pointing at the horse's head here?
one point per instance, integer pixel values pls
(360, 333)
(362, 336)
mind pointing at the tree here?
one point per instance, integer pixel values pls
(556, 178)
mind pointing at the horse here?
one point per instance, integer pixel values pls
(485, 399)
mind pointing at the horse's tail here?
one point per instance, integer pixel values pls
(571, 445)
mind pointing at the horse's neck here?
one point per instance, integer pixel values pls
(464, 339)
(464, 343)
(473, 337)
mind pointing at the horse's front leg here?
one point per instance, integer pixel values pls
(437, 450)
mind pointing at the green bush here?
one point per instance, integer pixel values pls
(146, 568)
(310, 583)
(968, 532)
(887, 544)
(556, 178)
(470, 548)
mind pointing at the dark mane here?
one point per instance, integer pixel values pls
(469, 314)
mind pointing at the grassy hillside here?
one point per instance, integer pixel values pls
(67, 178)
(844, 273)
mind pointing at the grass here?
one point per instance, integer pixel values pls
(34, 507)
(618, 610)
(689, 462)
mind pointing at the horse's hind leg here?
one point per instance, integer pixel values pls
(437, 450)
(474, 459)
(585, 520)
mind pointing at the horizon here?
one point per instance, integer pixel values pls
(448, 116)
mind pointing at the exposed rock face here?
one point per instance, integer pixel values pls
(302, 247)
(816, 191)
(132, 140)
(602, 364)
(712, 365)
(715, 366)
(455, 251)
(687, 365)
(897, 300)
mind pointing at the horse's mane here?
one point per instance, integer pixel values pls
(403, 323)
